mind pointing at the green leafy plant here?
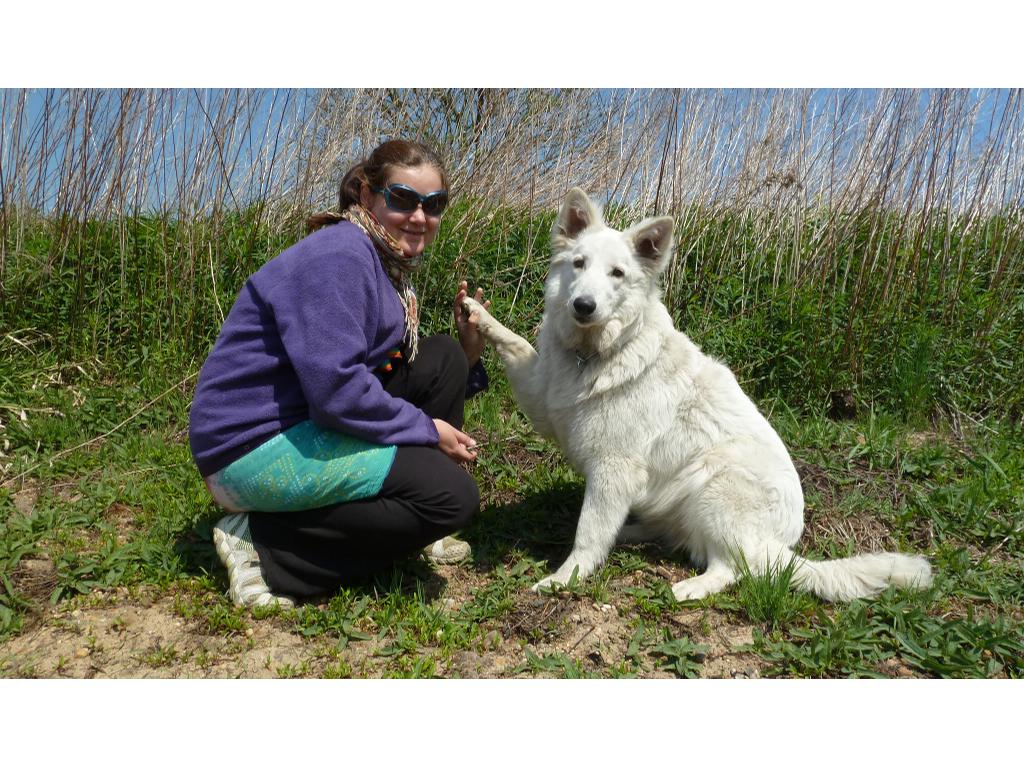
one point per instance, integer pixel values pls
(552, 665)
(680, 655)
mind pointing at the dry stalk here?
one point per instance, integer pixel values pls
(780, 182)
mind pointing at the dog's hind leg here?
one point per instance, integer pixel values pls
(719, 575)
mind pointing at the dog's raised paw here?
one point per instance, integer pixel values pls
(483, 318)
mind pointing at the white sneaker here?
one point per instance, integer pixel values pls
(234, 546)
(447, 551)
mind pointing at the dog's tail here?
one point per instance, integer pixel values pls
(865, 575)
(861, 575)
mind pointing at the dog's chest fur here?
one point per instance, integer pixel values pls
(618, 403)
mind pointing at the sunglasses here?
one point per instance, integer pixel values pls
(403, 199)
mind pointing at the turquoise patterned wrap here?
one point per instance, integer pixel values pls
(304, 467)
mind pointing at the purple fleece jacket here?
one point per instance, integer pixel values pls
(301, 342)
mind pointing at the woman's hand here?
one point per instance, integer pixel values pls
(469, 336)
(454, 443)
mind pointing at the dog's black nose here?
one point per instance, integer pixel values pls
(584, 306)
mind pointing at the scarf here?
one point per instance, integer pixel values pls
(397, 265)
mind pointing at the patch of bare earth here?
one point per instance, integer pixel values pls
(117, 635)
(142, 633)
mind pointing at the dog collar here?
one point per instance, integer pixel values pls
(582, 361)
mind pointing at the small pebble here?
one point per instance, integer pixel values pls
(492, 639)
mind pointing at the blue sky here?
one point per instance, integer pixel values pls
(194, 109)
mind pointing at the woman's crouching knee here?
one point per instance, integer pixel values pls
(460, 502)
(439, 491)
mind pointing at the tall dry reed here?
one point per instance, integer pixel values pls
(866, 194)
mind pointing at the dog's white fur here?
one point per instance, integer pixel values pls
(657, 428)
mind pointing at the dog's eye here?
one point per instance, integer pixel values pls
(617, 272)
(578, 262)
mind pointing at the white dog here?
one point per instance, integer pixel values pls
(657, 428)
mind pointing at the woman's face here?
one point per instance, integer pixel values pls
(414, 231)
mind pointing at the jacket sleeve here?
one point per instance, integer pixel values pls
(327, 313)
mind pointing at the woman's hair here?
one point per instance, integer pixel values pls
(374, 172)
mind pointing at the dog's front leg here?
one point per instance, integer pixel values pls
(606, 502)
(514, 351)
(520, 361)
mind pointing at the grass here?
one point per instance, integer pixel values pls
(769, 598)
(898, 632)
(125, 520)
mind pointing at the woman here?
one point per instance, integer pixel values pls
(321, 422)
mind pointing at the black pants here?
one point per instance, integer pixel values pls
(425, 496)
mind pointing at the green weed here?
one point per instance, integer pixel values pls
(341, 618)
(680, 655)
(653, 600)
(552, 665)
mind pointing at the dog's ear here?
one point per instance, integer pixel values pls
(652, 241)
(577, 214)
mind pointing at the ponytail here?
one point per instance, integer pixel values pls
(321, 220)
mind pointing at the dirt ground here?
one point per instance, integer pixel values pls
(139, 633)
